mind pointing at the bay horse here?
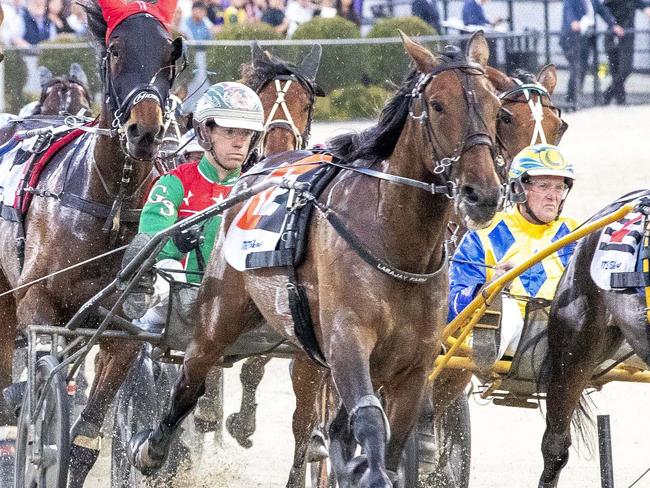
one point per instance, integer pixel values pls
(437, 132)
(517, 127)
(64, 94)
(586, 326)
(288, 93)
(95, 187)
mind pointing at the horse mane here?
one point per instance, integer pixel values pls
(378, 142)
(258, 74)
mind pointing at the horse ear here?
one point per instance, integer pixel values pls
(547, 77)
(44, 76)
(499, 80)
(96, 23)
(78, 73)
(257, 53)
(477, 49)
(310, 63)
(424, 59)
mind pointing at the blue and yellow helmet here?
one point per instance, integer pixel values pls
(538, 160)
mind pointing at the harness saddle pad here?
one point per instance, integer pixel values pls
(255, 239)
(22, 165)
(617, 252)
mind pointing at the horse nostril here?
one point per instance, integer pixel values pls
(469, 194)
(132, 132)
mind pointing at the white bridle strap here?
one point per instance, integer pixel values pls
(537, 110)
(280, 103)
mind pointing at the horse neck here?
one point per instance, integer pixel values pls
(110, 161)
(416, 220)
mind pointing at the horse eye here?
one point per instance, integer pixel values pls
(437, 106)
(505, 117)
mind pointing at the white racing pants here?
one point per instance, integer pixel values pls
(155, 317)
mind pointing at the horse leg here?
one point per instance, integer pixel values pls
(307, 379)
(111, 367)
(224, 312)
(403, 398)
(349, 355)
(209, 411)
(342, 444)
(241, 425)
(7, 345)
(574, 333)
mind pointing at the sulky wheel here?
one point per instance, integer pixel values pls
(43, 443)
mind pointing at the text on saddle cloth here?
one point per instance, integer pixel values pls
(617, 258)
(255, 237)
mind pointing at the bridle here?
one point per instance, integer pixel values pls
(282, 84)
(475, 133)
(528, 89)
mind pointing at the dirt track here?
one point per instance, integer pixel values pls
(609, 149)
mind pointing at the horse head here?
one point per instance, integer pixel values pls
(453, 102)
(287, 93)
(527, 115)
(139, 62)
(64, 95)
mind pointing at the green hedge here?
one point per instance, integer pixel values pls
(15, 79)
(58, 61)
(340, 65)
(351, 102)
(389, 63)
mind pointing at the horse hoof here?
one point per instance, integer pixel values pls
(237, 431)
(317, 450)
(142, 456)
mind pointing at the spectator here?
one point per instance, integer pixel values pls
(77, 19)
(235, 13)
(298, 12)
(216, 10)
(428, 11)
(620, 51)
(275, 17)
(474, 14)
(578, 20)
(11, 25)
(326, 9)
(197, 27)
(255, 9)
(57, 18)
(35, 27)
(345, 9)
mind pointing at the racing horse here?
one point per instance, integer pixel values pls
(65, 94)
(288, 93)
(587, 324)
(87, 200)
(436, 134)
(527, 116)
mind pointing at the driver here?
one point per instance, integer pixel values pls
(539, 181)
(228, 121)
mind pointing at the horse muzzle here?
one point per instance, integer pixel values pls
(477, 205)
(143, 131)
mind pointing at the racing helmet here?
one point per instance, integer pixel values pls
(189, 144)
(228, 104)
(537, 160)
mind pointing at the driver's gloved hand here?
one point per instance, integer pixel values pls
(140, 297)
(189, 239)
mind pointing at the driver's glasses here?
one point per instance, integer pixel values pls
(547, 188)
(231, 132)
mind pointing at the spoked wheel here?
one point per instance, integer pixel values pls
(445, 448)
(43, 443)
(138, 407)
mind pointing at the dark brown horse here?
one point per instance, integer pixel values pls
(375, 331)
(517, 127)
(587, 325)
(288, 93)
(101, 180)
(65, 94)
